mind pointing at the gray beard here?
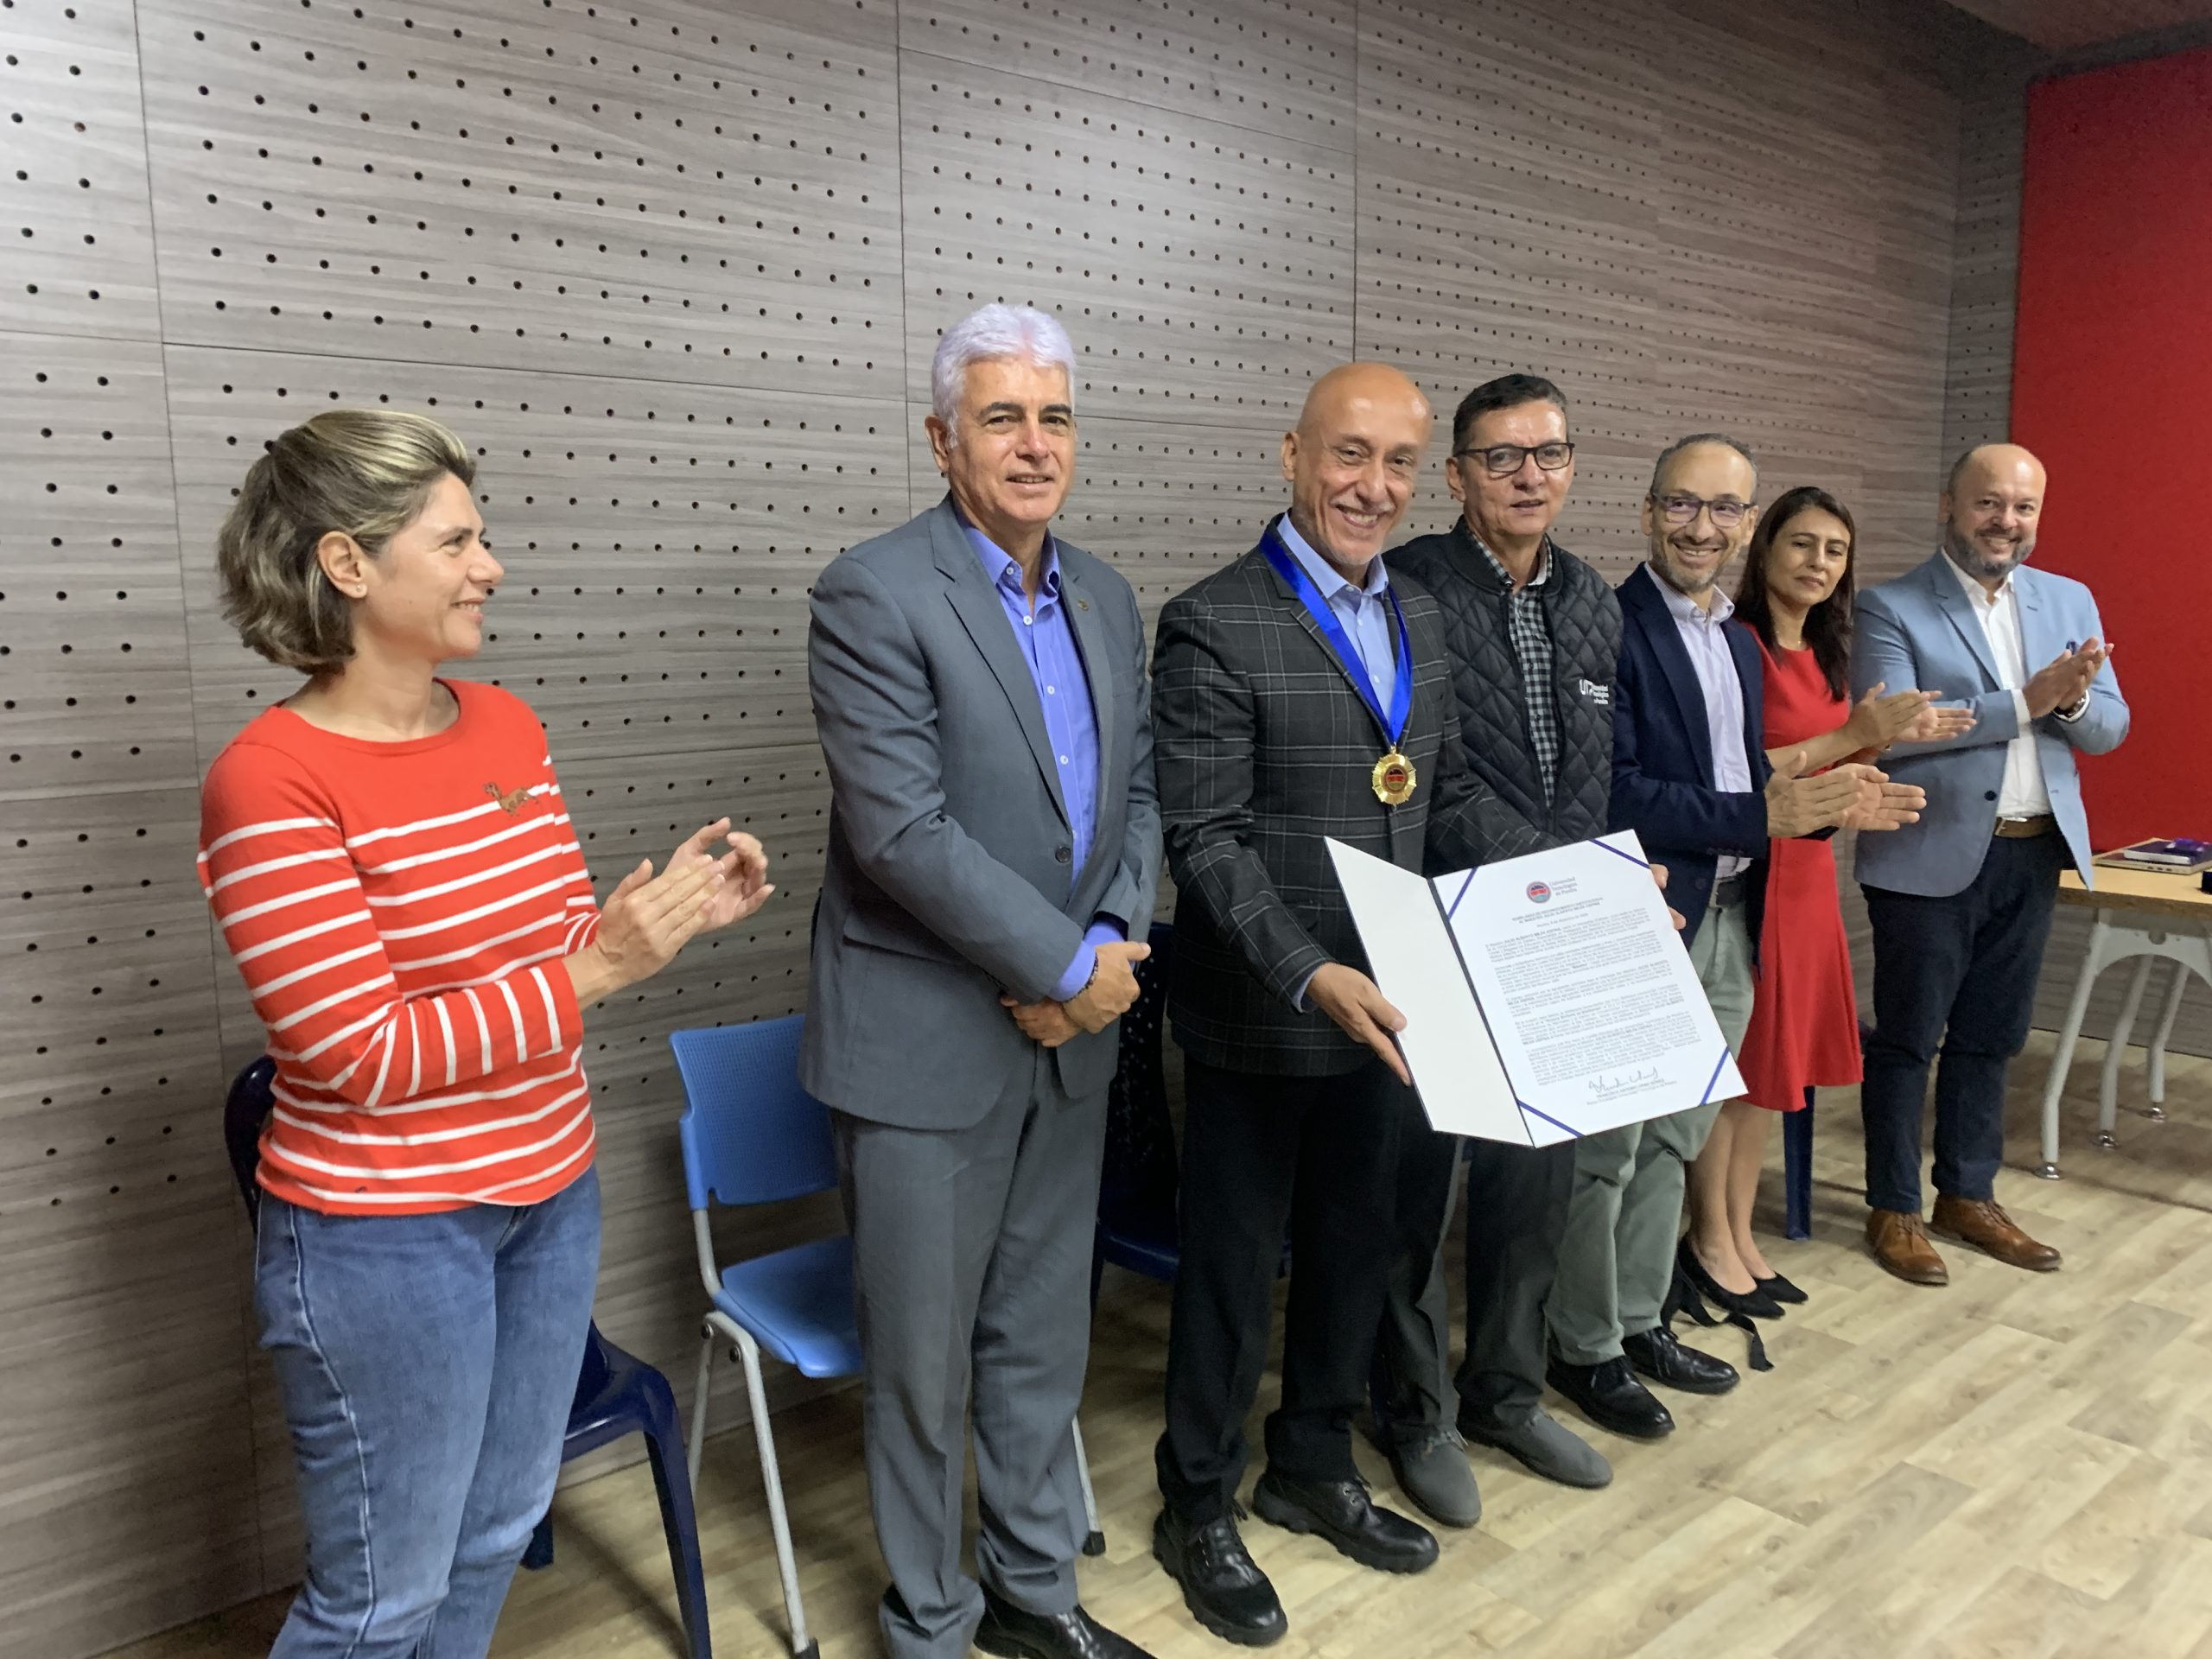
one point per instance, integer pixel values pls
(1978, 564)
(1664, 569)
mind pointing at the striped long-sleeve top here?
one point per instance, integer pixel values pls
(400, 911)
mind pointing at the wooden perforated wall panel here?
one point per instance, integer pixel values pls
(675, 270)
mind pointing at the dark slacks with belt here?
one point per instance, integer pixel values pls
(1954, 974)
(1316, 1158)
(1516, 1214)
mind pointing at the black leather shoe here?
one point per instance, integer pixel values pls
(1015, 1633)
(1341, 1513)
(1222, 1587)
(1611, 1397)
(1659, 1357)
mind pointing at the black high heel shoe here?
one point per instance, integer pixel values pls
(1687, 1296)
(1781, 1290)
(1755, 1303)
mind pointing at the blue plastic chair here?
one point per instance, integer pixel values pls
(617, 1393)
(751, 1135)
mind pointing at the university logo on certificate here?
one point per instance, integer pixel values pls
(1546, 997)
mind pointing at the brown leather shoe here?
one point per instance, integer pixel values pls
(1900, 1243)
(1983, 1224)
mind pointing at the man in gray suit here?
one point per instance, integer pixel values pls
(979, 687)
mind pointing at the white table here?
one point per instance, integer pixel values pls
(2150, 916)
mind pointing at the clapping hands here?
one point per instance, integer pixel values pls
(745, 885)
(2065, 681)
(1877, 721)
(1880, 805)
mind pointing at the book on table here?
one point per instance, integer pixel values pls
(2181, 855)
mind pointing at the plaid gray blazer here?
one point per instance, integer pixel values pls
(1262, 748)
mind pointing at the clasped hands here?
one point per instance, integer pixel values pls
(1111, 994)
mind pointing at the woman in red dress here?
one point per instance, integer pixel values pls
(1795, 599)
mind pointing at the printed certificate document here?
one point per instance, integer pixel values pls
(1546, 997)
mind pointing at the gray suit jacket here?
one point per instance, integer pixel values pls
(1921, 630)
(949, 877)
(1265, 748)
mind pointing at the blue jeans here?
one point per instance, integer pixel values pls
(427, 1365)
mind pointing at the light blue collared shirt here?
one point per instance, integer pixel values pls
(1367, 616)
(1048, 646)
(1364, 610)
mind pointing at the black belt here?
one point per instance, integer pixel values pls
(1729, 890)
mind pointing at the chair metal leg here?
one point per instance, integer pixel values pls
(2167, 1015)
(1094, 1539)
(698, 1448)
(2069, 1033)
(679, 1519)
(1797, 1171)
(749, 1352)
(2116, 1051)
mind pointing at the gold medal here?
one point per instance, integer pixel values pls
(1394, 778)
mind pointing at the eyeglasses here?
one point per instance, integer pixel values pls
(1727, 513)
(1503, 459)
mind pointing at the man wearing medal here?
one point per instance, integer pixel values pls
(1299, 693)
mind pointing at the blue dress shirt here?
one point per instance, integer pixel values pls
(1047, 642)
(1365, 612)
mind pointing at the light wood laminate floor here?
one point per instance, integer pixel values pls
(2016, 1465)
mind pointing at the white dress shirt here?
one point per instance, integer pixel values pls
(2023, 794)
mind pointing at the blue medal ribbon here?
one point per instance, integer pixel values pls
(1354, 666)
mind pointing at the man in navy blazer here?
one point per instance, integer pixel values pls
(1691, 779)
(1960, 903)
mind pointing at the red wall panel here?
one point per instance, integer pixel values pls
(2112, 387)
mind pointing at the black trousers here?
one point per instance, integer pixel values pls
(1516, 1214)
(1959, 972)
(1316, 1155)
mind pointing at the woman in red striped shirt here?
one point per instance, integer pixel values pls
(391, 864)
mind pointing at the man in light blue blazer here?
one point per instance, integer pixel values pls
(1961, 902)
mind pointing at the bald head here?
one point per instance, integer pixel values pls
(1352, 459)
(1351, 385)
(1998, 459)
(1992, 504)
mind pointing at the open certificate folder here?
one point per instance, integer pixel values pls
(1545, 997)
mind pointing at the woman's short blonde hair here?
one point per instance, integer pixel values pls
(365, 472)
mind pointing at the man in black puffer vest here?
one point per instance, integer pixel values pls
(1532, 633)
